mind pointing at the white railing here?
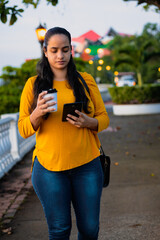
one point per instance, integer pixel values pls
(12, 146)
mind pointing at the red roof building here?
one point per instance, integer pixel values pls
(94, 41)
(90, 35)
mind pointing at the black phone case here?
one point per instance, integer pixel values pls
(70, 108)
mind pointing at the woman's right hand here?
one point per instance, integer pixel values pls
(43, 104)
(41, 109)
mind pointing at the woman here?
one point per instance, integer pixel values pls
(65, 164)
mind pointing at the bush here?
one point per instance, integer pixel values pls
(9, 98)
(135, 94)
(80, 64)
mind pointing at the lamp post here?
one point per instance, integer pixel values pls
(40, 32)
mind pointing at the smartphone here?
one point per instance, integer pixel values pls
(69, 108)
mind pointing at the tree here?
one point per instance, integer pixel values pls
(141, 53)
(14, 79)
(18, 76)
(148, 3)
(13, 11)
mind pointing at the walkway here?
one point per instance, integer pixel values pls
(130, 208)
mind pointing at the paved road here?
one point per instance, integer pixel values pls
(130, 208)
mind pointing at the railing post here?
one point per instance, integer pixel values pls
(13, 147)
(6, 159)
(13, 134)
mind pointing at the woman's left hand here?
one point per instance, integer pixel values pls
(83, 121)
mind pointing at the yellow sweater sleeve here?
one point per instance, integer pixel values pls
(100, 110)
(24, 124)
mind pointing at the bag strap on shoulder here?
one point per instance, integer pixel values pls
(84, 82)
(87, 88)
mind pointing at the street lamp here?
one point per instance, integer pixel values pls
(40, 32)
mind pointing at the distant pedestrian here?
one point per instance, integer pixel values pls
(65, 166)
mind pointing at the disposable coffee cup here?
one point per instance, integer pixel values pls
(52, 92)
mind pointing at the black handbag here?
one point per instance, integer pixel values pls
(105, 163)
(105, 160)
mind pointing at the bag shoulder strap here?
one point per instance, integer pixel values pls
(84, 82)
(87, 88)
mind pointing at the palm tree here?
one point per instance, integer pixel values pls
(136, 51)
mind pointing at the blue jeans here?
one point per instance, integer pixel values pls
(56, 190)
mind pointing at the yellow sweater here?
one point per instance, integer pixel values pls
(60, 145)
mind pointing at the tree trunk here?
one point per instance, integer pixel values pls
(139, 76)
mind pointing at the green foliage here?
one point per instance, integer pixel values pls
(130, 95)
(15, 79)
(13, 12)
(104, 75)
(80, 64)
(53, 2)
(138, 53)
(18, 76)
(9, 98)
(148, 3)
(35, 3)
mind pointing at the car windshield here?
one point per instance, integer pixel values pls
(127, 79)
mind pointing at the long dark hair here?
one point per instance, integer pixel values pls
(45, 76)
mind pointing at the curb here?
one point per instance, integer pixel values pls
(9, 206)
(14, 188)
(8, 213)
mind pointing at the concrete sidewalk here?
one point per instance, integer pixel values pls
(130, 208)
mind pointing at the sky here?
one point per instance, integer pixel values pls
(19, 42)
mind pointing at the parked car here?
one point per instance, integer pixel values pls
(127, 80)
